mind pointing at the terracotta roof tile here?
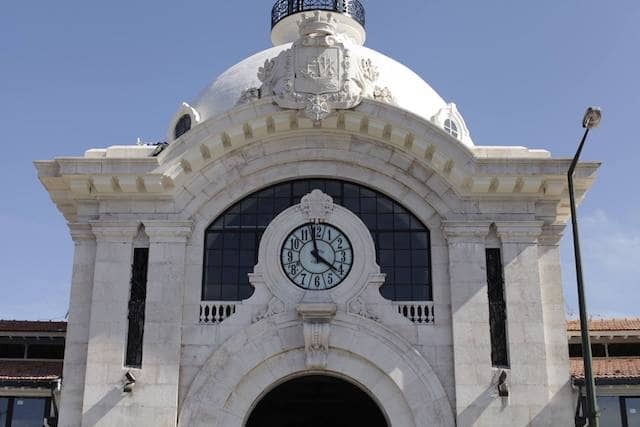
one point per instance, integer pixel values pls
(611, 368)
(632, 324)
(30, 370)
(31, 326)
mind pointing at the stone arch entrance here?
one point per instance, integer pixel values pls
(316, 401)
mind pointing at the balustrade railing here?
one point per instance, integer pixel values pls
(420, 312)
(284, 8)
(213, 312)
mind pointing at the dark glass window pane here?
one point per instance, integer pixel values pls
(402, 241)
(183, 126)
(4, 408)
(11, 351)
(598, 350)
(632, 405)
(624, 350)
(28, 412)
(610, 414)
(575, 350)
(45, 351)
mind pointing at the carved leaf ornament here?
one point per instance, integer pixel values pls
(318, 74)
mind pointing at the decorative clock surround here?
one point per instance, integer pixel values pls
(270, 277)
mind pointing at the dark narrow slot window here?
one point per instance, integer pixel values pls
(136, 307)
(598, 350)
(575, 350)
(497, 309)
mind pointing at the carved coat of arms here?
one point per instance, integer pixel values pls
(318, 74)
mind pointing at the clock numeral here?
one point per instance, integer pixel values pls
(329, 234)
(341, 269)
(295, 244)
(302, 277)
(289, 256)
(318, 230)
(330, 278)
(316, 281)
(343, 256)
(340, 241)
(293, 268)
(305, 235)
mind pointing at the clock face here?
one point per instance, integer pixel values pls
(316, 256)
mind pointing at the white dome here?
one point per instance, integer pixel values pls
(410, 92)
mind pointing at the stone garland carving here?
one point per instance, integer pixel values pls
(318, 74)
(275, 306)
(316, 206)
(360, 308)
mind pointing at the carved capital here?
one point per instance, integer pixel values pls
(316, 206)
(519, 231)
(115, 232)
(168, 231)
(81, 232)
(316, 327)
(465, 231)
(551, 235)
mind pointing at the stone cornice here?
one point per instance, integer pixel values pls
(551, 235)
(465, 231)
(519, 231)
(168, 231)
(476, 172)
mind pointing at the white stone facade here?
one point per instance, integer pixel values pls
(436, 373)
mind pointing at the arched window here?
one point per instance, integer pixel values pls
(183, 126)
(451, 128)
(232, 240)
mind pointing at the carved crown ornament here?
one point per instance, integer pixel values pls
(318, 74)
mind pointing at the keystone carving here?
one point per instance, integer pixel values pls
(316, 327)
(360, 308)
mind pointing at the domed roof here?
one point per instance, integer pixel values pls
(333, 70)
(409, 90)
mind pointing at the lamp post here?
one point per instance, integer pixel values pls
(591, 120)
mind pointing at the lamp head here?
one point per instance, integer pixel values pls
(592, 117)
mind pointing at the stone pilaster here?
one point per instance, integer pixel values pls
(108, 325)
(77, 336)
(553, 309)
(163, 319)
(525, 331)
(470, 317)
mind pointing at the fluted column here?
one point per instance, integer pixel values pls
(108, 325)
(77, 336)
(163, 320)
(470, 317)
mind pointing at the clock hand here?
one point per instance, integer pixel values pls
(324, 261)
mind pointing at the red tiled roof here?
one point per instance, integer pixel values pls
(632, 324)
(29, 370)
(612, 368)
(31, 326)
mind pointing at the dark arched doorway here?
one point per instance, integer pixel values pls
(316, 401)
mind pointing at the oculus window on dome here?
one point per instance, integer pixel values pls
(402, 242)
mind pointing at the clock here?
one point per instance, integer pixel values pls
(316, 256)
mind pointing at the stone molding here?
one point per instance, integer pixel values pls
(478, 172)
(258, 358)
(81, 232)
(168, 231)
(519, 231)
(466, 231)
(115, 232)
(551, 235)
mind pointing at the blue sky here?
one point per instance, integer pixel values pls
(76, 75)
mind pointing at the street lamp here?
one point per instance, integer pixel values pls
(591, 120)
